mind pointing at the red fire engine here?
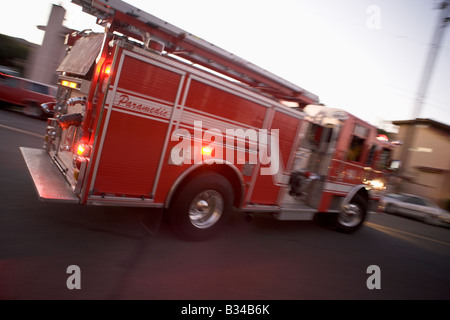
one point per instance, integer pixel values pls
(149, 115)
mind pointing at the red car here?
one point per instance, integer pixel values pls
(26, 93)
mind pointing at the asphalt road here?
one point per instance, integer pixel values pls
(260, 260)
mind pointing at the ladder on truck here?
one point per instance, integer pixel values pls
(135, 23)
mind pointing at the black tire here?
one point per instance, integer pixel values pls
(201, 207)
(390, 208)
(33, 110)
(352, 217)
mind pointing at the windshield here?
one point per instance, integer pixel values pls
(395, 196)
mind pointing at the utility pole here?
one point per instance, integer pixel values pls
(405, 154)
(444, 19)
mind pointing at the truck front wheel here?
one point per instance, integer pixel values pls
(201, 207)
(352, 215)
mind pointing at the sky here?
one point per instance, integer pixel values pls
(364, 56)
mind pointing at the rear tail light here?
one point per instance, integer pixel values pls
(83, 150)
(108, 70)
(106, 74)
(80, 150)
(81, 159)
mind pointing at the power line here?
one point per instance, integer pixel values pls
(443, 20)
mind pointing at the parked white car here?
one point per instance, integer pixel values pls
(414, 207)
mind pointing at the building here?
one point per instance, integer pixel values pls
(424, 159)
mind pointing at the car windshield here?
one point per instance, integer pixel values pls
(430, 203)
(419, 201)
(415, 200)
(395, 196)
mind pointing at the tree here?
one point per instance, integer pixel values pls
(14, 52)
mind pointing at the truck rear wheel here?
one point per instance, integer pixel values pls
(201, 207)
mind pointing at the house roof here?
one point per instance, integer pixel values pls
(424, 121)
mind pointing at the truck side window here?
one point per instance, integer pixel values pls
(371, 155)
(385, 158)
(319, 135)
(314, 133)
(414, 200)
(356, 147)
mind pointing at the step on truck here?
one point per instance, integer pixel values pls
(149, 115)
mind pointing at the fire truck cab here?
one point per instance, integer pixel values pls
(149, 115)
(340, 168)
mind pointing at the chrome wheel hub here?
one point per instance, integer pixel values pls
(206, 209)
(350, 216)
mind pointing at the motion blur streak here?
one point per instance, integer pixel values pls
(402, 234)
(22, 131)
